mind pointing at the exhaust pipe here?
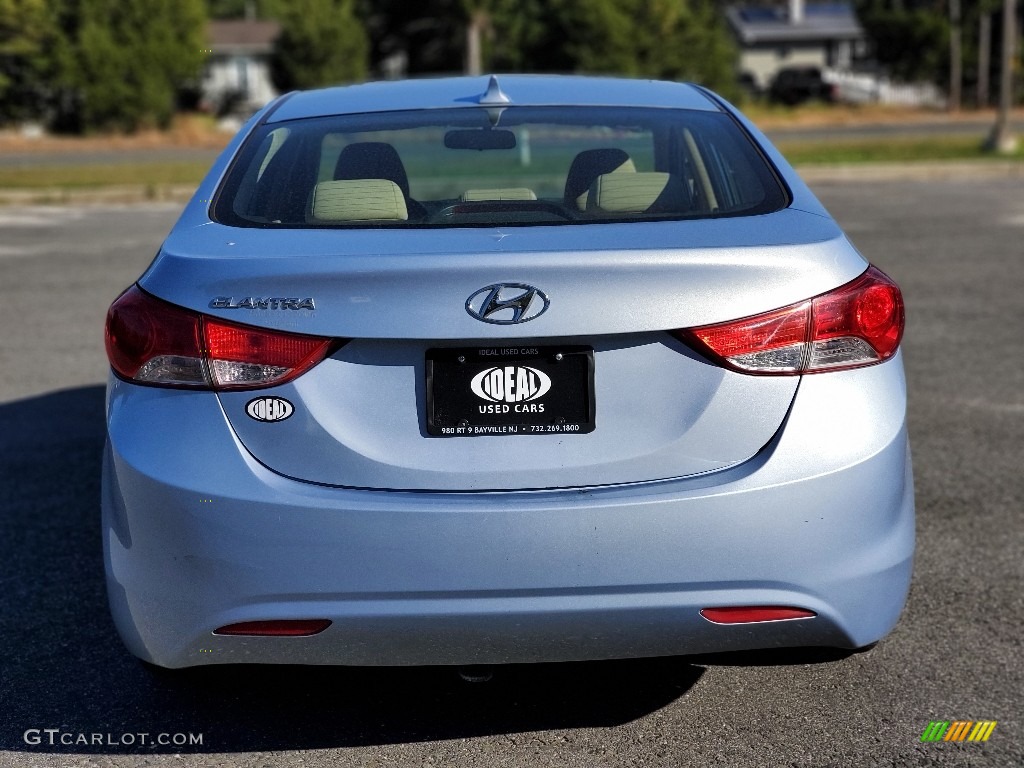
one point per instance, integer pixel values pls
(477, 673)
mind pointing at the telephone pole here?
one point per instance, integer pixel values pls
(1002, 139)
(955, 56)
(984, 58)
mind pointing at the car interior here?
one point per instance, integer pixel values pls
(325, 178)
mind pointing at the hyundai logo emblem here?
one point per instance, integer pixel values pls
(507, 303)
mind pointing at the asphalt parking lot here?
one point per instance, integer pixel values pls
(957, 249)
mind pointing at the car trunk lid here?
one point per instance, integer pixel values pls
(359, 418)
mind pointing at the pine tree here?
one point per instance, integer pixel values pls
(665, 39)
(674, 39)
(124, 61)
(322, 42)
(26, 35)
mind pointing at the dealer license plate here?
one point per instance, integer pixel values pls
(476, 391)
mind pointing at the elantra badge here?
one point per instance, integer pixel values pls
(260, 302)
(507, 303)
(269, 409)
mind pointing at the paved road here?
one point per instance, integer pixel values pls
(958, 250)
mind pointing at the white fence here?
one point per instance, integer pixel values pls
(858, 88)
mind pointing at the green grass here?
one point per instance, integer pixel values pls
(895, 150)
(96, 175)
(189, 173)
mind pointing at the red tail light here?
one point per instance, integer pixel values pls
(858, 324)
(152, 342)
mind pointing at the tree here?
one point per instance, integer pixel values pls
(667, 39)
(1002, 140)
(123, 61)
(26, 36)
(322, 42)
(478, 23)
(675, 39)
(915, 39)
(910, 40)
(956, 55)
(978, 48)
(526, 36)
(237, 9)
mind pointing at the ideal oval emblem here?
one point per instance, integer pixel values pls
(507, 303)
(510, 384)
(269, 409)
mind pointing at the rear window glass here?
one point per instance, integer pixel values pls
(508, 166)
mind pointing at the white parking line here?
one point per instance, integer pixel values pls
(17, 252)
(39, 216)
(60, 215)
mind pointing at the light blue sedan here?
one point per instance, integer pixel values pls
(504, 369)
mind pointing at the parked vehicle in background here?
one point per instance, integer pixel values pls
(796, 85)
(749, 86)
(462, 371)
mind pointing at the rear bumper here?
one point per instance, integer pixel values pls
(822, 518)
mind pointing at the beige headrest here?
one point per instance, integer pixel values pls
(507, 193)
(637, 193)
(358, 200)
(627, 167)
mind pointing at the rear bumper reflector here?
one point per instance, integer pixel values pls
(750, 614)
(275, 628)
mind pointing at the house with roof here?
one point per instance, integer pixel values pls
(236, 78)
(795, 33)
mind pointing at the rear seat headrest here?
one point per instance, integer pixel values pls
(358, 200)
(504, 193)
(638, 193)
(587, 166)
(372, 160)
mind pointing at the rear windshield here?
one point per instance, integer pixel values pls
(478, 166)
